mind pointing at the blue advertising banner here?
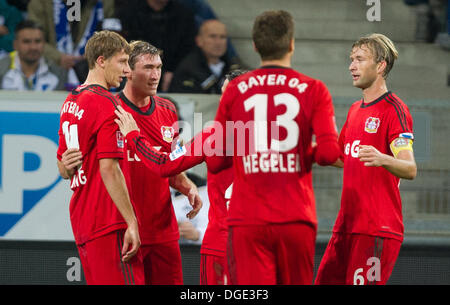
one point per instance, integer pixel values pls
(34, 199)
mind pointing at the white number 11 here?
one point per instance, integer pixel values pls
(71, 135)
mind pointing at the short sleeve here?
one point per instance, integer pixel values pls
(400, 123)
(110, 141)
(62, 147)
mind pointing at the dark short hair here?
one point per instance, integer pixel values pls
(27, 24)
(138, 48)
(233, 74)
(272, 34)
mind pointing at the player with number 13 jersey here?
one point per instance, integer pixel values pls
(269, 116)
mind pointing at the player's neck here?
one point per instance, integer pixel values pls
(284, 62)
(95, 77)
(136, 98)
(377, 89)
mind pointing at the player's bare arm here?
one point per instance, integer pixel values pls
(70, 160)
(115, 184)
(186, 187)
(402, 166)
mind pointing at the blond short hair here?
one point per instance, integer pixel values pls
(106, 44)
(381, 47)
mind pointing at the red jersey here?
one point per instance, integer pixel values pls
(87, 122)
(371, 202)
(274, 112)
(150, 192)
(219, 193)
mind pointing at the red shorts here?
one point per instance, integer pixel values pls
(271, 254)
(162, 264)
(213, 270)
(357, 259)
(102, 263)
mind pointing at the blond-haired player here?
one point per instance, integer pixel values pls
(376, 143)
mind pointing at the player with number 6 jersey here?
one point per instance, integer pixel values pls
(269, 116)
(376, 143)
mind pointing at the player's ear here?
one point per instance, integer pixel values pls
(381, 66)
(254, 47)
(292, 45)
(100, 61)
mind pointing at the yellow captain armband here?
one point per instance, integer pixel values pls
(400, 144)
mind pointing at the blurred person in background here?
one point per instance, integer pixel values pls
(204, 69)
(25, 68)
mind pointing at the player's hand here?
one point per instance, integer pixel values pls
(125, 121)
(71, 159)
(130, 239)
(188, 231)
(195, 201)
(371, 156)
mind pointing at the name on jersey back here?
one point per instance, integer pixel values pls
(72, 108)
(271, 80)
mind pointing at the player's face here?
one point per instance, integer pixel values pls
(116, 68)
(362, 67)
(213, 40)
(146, 73)
(29, 44)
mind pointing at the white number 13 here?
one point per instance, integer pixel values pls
(287, 120)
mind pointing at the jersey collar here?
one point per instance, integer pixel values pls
(382, 97)
(136, 108)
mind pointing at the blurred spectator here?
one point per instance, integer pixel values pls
(66, 37)
(431, 18)
(192, 230)
(21, 5)
(166, 24)
(26, 68)
(443, 38)
(204, 69)
(10, 16)
(202, 12)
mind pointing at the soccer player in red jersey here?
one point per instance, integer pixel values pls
(376, 144)
(157, 120)
(272, 217)
(90, 153)
(213, 259)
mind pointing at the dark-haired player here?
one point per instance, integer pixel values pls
(272, 216)
(213, 258)
(157, 120)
